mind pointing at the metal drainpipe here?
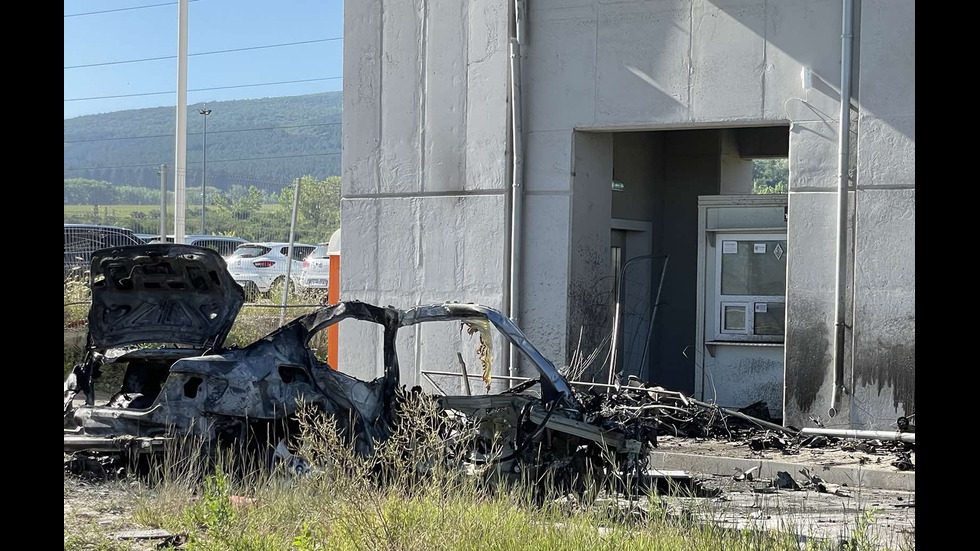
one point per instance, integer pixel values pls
(517, 178)
(843, 153)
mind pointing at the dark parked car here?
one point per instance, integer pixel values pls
(81, 240)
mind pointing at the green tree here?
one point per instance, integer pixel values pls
(770, 176)
(318, 212)
(245, 202)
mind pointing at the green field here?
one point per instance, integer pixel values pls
(146, 219)
(74, 211)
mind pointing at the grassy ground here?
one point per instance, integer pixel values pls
(425, 501)
(95, 511)
(305, 515)
(412, 494)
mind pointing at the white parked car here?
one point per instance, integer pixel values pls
(316, 269)
(257, 267)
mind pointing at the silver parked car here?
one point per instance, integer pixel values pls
(316, 269)
(257, 267)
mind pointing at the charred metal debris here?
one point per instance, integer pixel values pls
(164, 310)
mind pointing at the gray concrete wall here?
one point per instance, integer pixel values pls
(638, 162)
(424, 171)
(425, 118)
(883, 381)
(881, 266)
(736, 171)
(673, 64)
(547, 230)
(588, 293)
(596, 63)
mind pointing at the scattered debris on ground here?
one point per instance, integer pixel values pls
(904, 461)
(809, 512)
(785, 481)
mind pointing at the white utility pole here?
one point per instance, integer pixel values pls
(180, 163)
(289, 263)
(163, 202)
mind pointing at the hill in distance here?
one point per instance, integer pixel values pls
(301, 134)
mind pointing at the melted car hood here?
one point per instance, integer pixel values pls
(161, 293)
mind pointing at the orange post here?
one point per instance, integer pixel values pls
(333, 297)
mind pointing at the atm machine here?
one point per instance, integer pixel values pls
(741, 300)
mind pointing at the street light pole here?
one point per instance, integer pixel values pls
(204, 178)
(180, 129)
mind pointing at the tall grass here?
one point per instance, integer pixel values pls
(415, 491)
(77, 296)
(419, 489)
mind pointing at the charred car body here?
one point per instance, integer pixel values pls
(182, 300)
(176, 305)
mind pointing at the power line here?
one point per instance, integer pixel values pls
(213, 161)
(111, 167)
(171, 135)
(243, 177)
(244, 49)
(274, 157)
(125, 9)
(206, 89)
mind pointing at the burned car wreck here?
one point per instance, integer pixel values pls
(165, 310)
(177, 303)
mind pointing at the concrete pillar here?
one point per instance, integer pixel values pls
(589, 300)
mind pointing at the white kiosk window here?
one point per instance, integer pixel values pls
(750, 287)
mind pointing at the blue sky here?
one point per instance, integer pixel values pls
(212, 25)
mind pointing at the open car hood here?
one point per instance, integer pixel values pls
(161, 293)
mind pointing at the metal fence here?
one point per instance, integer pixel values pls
(248, 210)
(254, 321)
(251, 208)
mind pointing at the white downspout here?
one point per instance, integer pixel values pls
(843, 154)
(517, 179)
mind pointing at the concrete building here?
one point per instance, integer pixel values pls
(636, 126)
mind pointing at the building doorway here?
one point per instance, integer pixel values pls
(650, 182)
